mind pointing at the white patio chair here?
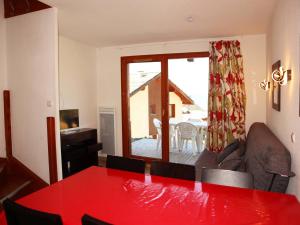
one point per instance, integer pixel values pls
(172, 134)
(157, 124)
(203, 136)
(172, 137)
(188, 132)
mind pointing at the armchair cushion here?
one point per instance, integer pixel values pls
(207, 159)
(227, 151)
(231, 164)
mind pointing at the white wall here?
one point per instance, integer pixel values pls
(32, 49)
(283, 44)
(78, 80)
(109, 80)
(3, 81)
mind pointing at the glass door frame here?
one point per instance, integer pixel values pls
(163, 59)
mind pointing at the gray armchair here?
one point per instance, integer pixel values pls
(263, 156)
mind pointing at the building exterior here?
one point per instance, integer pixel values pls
(145, 105)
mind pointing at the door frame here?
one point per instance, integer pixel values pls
(163, 59)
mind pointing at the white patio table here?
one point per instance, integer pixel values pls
(200, 125)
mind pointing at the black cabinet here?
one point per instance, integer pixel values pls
(79, 150)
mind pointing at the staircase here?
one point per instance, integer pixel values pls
(15, 182)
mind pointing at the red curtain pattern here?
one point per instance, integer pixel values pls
(227, 96)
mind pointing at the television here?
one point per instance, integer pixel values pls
(69, 119)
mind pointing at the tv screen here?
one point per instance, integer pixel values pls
(69, 119)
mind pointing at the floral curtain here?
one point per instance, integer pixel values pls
(227, 96)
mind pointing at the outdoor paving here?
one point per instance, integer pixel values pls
(147, 147)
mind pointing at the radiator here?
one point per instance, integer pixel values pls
(107, 129)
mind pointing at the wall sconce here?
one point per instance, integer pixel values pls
(265, 85)
(282, 76)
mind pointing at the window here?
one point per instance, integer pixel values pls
(172, 111)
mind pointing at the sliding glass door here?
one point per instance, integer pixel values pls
(188, 96)
(157, 90)
(144, 89)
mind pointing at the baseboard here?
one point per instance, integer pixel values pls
(21, 168)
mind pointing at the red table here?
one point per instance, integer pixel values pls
(127, 198)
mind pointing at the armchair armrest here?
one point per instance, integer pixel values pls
(290, 174)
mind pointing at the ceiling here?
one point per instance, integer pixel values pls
(122, 22)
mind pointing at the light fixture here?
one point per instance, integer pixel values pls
(265, 85)
(282, 76)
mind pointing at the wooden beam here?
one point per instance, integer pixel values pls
(7, 123)
(52, 149)
(18, 7)
(165, 109)
(126, 128)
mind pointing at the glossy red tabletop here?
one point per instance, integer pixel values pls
(125, 198)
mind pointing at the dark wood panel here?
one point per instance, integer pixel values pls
(79, 150)
(165, 107)
(158, 57)
(18, 7)
(7, 123)
(79, 135)
(125, 109)
(52, 149)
